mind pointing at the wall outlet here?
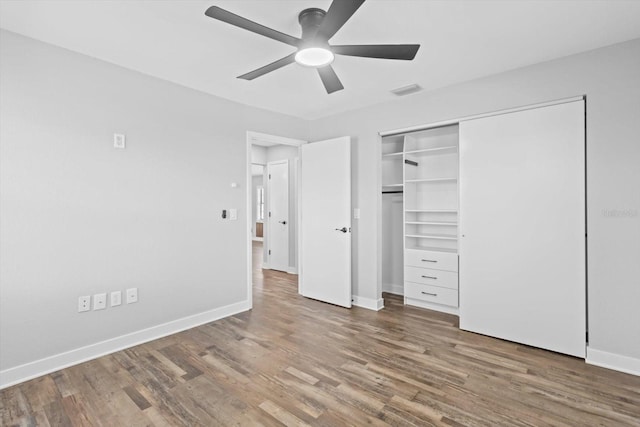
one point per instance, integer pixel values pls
(116, 298)
(84, 303)
(132, 295)
(100, 301)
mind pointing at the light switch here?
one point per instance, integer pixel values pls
(233, 214)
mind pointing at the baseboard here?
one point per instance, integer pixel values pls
(265, 266)
(432, 306)
(393, 288)
(292, 270)
(369, 303)
(18, 374)
(617, 362)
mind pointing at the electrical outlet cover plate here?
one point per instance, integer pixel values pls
(132, 295)
(84, 303)
(100, 301)
(116, 298)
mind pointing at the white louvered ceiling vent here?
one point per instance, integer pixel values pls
(407, 90)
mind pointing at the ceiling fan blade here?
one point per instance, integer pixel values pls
(330, 79)
(269, 68)
(339, 12)
(384, 51)
(231, 18)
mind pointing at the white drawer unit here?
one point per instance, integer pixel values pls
(426, 276)
(430, 196)
(431, 259)
(431, 294)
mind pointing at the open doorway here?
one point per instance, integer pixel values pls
(272, 197)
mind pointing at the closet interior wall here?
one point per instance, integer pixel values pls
(392, 214)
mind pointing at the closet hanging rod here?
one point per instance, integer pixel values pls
(392, 192)
(410, 162)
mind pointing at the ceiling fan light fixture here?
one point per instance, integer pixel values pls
(314, 57)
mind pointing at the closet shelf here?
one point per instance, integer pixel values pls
(393, 155)
(433, 236)
(431, 210)
(431, 180)
(431, 249)
(438, 150)
(393, 185)
(431, 222)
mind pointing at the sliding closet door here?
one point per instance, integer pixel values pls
(522, 227)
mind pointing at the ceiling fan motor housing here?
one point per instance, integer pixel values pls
(310, 20)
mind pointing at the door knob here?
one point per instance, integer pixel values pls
(343, 229)
(283, 222)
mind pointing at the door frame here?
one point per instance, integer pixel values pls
(251, 139)
(268, 217)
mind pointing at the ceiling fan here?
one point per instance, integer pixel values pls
(313, 48)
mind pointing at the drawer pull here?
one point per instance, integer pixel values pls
(429, 277)
(429, 293)
(429, 260)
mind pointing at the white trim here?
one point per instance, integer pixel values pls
(432, 306)
(273, 139)
(618, 362)
(292, 270)
(479, 116)
(249, 225)
(393, 288)
(368, 303)
(265, 266)
(18, 374)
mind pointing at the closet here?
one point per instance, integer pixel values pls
(493, 222)
(423, 167)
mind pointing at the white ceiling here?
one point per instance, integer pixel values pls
(461, 40)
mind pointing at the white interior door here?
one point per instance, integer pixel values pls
(522, 227)
(278, 215)
(325, 206)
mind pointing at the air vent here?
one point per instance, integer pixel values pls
(407, 90)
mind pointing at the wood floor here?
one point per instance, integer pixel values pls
(293, 361)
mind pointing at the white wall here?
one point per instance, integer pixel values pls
(256, 181)
(259, 154)
(610, 77)
(258, 157)
(392, 244)
(79, 217)
(288, 152)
